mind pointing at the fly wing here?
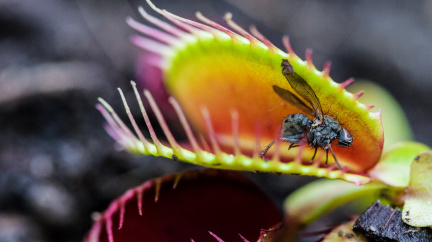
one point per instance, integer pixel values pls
(293, 99)
(300, 86)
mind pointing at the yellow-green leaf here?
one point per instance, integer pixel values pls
(417, 210)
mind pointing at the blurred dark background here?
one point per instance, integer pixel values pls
(57, 164)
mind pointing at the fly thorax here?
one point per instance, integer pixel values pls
(325, 133)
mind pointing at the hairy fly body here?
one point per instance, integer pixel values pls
(298, 129)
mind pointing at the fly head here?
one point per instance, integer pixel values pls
(345, 138)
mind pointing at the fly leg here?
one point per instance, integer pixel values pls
(336, 160)
(313, 157)
(326, 157)
(327, 148)
(293, 139)
(264, 151)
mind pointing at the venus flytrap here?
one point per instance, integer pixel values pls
(198, 205)
(220, 84)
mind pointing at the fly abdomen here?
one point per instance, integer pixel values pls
(296, 125)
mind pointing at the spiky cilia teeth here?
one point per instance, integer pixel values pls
(356, 96)
(180, 24)
(207, 30)
(326, 70)
(165, 26)
(346, 83)
(152, 46)
(151, 32)
(231, 34)
(137, 206)
(309, 62)
(135, 126)
(217, 158)
(186, 127)
(119, 206)
(216, 237)
(288, 47)
(252, 40)
(369, 107)
(211, 134)
(262, 38)
(215, 32)
(377, 114)
(170, 30)
(115, 126)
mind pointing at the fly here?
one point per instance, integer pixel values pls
(298, 128)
